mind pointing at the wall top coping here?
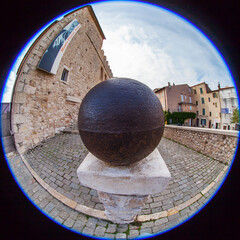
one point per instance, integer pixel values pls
(206, 130)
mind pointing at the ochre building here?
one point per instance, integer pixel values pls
(207, 106)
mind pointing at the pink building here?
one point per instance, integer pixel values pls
(176, 98)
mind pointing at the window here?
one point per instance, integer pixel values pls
(210, 113)
(185, 97)
(209, 99)
(190, 99)
(202, 100)
(215, 104)
(195, 92)
(196, 102)
(190, 107)
(215, 95)
(182, 98)
(197, 113)
(203, 122)
(64, 76)
(203, 111)
(201, 91)
(101, 74)
(189, 89)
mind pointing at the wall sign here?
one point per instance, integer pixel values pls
(53, 55)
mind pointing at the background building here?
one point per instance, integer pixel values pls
(176, 98)
(228, 102)
(47, 99)
(207, 106)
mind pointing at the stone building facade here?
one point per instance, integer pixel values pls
(228, 103)
(44, 103)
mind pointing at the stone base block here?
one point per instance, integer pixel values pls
(148, 176)
(122, 208)
(124, 189)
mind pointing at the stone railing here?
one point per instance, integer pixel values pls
(217, 144)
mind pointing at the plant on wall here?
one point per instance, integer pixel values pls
(235, 117)
(178, 117)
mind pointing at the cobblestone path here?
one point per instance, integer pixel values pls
(57, 160)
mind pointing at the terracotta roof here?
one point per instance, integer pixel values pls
(198, 84)
(225, 88)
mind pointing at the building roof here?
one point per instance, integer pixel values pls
(89, 7)
(199, 84)
(207, 87)
(159, 89)
(225, 88)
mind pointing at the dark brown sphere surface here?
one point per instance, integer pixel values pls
(121, 121)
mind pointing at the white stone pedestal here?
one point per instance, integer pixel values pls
(123, 190)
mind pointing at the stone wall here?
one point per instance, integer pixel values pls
(42, 103)
(218, 144)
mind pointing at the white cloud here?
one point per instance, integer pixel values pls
(152, 45)
(155, 46)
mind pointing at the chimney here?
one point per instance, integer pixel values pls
(219, 86)
(169, 85)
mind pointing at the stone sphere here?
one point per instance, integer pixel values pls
(121, 121)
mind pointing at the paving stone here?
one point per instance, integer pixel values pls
(59, 219)
(69, 222)
(59, 183)
(147, 224)
(111, 228)
(102, 223)
(121, 236)
(54, 213)
(174, 216)
(161, 221)
(168, 206)
(91, 222)
(93, 192)
(78, 225)
(156, 204)
(64, 215)
(109, 235)
(100, 231)
(184, 211)
(49, 207)
(121, 228)
(146, 230)
(88, 231)
(84, 189)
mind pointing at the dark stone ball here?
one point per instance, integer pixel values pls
(121, 121)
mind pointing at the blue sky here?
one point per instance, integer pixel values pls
(154, 46)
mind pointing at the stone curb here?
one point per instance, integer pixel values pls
(100, 214)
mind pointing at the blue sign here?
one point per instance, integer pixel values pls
(225, 110)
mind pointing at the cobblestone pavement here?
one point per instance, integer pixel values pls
(57, 160)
